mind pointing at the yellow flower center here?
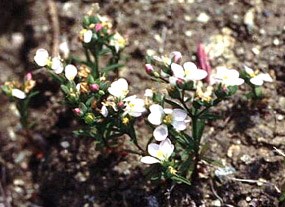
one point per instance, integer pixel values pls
(167, 119)
(160, 155)
(125, 120)
(172, 170)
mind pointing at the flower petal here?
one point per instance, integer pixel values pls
(257, 80)
(18, 93)
(179, 125)
(56, 65)
(41, 57)
(87, 36)
(179, 114)
(70, 71)
(160, 133)
(149, 160)
(177, 70)
(166, 147)
(153, 149)
(266, 77)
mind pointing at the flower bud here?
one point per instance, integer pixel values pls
(149, 69)
(29, 76)
(89, 118)
(176, 56)
(94, 87)
(77, 111)
(98, 27)
(120, 104)
(180, 83)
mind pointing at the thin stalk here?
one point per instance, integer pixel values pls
(133, 136)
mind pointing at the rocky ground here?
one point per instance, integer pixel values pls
(67, 171)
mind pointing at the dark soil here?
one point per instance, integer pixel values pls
(58, 169)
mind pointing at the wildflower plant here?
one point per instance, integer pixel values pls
(21, 94)
(107, 110)
(255, 79)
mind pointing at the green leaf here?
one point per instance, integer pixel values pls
(172, 103)
(89, 101)
(210, 116)
(181, 179)
(200, 128)
(82, 107)
(65, 89)
(258, 92)
(211, 161)
(112, 68)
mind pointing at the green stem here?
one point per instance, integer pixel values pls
(132, 134)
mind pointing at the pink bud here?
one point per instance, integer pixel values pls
(149, 69)
(120, 104)
(94, 87)
(77, 111)
(180, 82)
(204, 63)
(176, 56)
(29, 76)
(98, 27)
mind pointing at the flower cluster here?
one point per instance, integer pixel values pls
(17, 90)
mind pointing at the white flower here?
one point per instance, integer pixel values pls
(87, 36)
(257, 78)
(228, 77)
(175, 117)
(70, 72)
(158, 153)
(18, 93)
(119, 88)
(134, 106)
(64, 48)
(104, 111)
(148, 93)
(56, 65)
(118, 41)
(41, 57)
(188, 72)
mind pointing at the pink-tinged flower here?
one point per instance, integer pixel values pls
(257, 78)
(158, 152)
(176, 56)
(227, 77)
(98, 27)
(189, 72)
(29, 77)
(149, 69)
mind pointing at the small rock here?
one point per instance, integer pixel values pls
(203, 17)
(216, 203)
(188, 33)
(276, 42)
(248, 18)
(152, 201)
(280, 117)
(233, 151)
(246, 159)
(256, 50)
(222, 172)
(64, 144)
